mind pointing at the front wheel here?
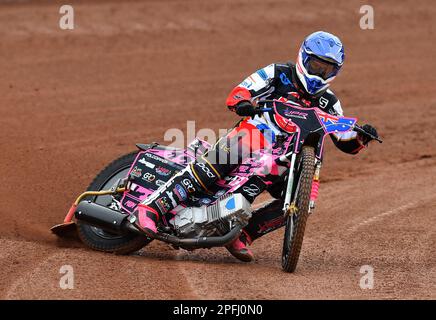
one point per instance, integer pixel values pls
(296, 223)
(97, 238)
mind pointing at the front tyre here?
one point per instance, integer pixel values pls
(296, 223)
(97, 238)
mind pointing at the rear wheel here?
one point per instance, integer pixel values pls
(99, 239)
(296, 223)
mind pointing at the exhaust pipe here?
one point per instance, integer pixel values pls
(116, 222)
(203, 242)
(102, 217)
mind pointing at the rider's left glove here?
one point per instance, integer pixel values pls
(245, 109)
(364, 139)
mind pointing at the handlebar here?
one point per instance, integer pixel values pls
(360, 130)
(356, 127)
(262, 110)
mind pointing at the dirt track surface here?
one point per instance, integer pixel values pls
(72, 101)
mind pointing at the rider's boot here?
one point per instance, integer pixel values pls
(238, 248)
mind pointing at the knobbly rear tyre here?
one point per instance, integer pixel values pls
(98, 239)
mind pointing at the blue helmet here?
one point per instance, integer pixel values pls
(320, 58)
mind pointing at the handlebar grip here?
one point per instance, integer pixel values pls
(264, 109)
(360, 130)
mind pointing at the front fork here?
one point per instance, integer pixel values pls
(289, 206)
(315, 186)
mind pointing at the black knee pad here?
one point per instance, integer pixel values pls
(206, 173)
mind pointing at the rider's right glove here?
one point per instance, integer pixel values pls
(371, 130)
(245, 109)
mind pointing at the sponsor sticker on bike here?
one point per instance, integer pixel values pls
(163, 171)
(171, 196)
(206, 170)
(219, 193)
(205, 201)
(149, 177)
(163, 204)
(136, 172)
(146, 163)
(155, 157)
(252, 190)
(159, 182)
(296, 114)
(130, 204)
(188, 185)
(180, 192)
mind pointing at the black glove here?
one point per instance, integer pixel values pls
(369, 129)
(245, 109)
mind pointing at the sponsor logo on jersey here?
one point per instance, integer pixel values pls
(262, 74)
(246, 84)
(323, 102)
(284, 79)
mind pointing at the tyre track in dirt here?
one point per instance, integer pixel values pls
(120, 278)
(16, 261)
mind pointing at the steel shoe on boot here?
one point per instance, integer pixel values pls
(146, 219)
(239, 250)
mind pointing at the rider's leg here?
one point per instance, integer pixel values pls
(197, 176)
(225, 156)
(264, 220)
(252, 139)
(222, 158)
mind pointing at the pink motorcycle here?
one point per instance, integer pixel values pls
(214, 219)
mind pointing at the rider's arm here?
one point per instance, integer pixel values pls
(347, 142)
(257, 85)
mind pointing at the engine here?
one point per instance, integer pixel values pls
(215, 219)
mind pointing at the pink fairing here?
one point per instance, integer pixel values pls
(181, 156)
(314, 192)
(145, 221)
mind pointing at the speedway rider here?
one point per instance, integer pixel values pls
(307, 82)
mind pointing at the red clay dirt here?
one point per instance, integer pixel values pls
(72, 101)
